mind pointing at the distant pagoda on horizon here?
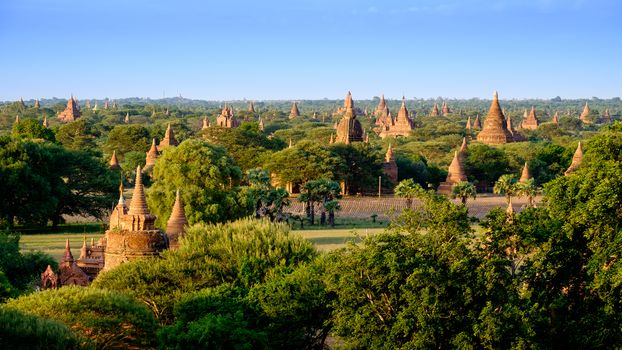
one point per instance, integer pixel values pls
(71, 112)
(349, 128)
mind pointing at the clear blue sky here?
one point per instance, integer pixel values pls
(297, 49)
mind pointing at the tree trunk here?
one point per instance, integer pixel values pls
(331, 218)
(323, 217)
(312, 211)
(464, 200)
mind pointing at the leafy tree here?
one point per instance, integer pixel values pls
(242, 253)
(305, 161)
(506, 185)
(33, 129)
(22, 331)
(463, 190)
(127, 138)
(364, 165)
(248, 146)
(486, 164)
(108, 318)
(409, 190)
(77, 135)
(131, 160)
(267, 200)
(332, 206)
(59, 182)
(207, 178)
(22, 271)
(527, 189)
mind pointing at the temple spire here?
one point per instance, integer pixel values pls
(114, 162)
(152, 154)
(83, 250)
(205, 123)
(584, 117)
(45, 121)
(463, 147)
(176, 224)
(67, 256)
(294, 112)
(468, 123)
(127, 118)
(576, 160)
(525, 174)
(389, 155)
(495, 129)
(138, 205)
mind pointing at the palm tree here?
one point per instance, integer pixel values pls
(506, 185)
(332, 207)
(463, 190)
(528, 189)
(407, 189)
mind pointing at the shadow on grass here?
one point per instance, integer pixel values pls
(334, 240)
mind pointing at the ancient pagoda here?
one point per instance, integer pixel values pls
(525, 174)
(349, 129)
(555, 119)
(401, 126)
(176, 226)
(477, 123)
(468, 123)
(531, 122)
(576, 160)
(126, 120)
(435, 112)
(152, 154)
(607, 117)
(495, 131)
(91, 259)
(205, 123)
(294, 112)
(168, 140)
(45, 122)
(382, 113)
(226, 119)
(585, 115)
(251, 107)
(71, 112)
(445, 109)
(37, 104)
(136, 236)
(455, 174)
(389, 167)
(114, 162)
(70, 274)
(262, 126)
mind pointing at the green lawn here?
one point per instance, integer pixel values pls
(54, 243)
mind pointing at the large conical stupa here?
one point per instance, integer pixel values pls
(576, 160)
(176, 225)
(495, 131)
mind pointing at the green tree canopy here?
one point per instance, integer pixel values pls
(32, 129)
(207, 178)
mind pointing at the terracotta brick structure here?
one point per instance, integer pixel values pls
(71, 112)
(226, 119)
(495, 131)
(168, 140)
(555, 119)
(135, 236)
(435, 112)
(477, 123)
(531, 122)
(525, 174)
(70, 273)
(152, 154)
(576, 160)
(401, 126)
(114, 162)
(445, 109)
(455, 174)
(349, 128)
(584, 117)
(389, 166)
(294, 112)
(382, 113)
(176, 225)
(205, 123)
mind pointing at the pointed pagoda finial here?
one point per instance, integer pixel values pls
(495, 95)
(121, 199)
(152, 154)
(127, 118)
(17, 119)
(114, 162)
(67, 256)
(388, 157)
(463, 147)
(176, 224)
(83, 250)
(138, 205)
(290, 142)
(576, 159)
(525, 174)
(45, 121)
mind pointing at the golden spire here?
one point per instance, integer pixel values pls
(389, 155)
(468, 123)
(526, 174)
(585, 114)
(456, 173)
(152, 154)
(576, 160)
(261, 124)
(463, 147)
(177, 222)
(127, 118)
(138, 205)
(45, 121)
(83, 249)
(556, 118)
(402, 115)
(114, 162)
(205, 123)
(67, 257)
